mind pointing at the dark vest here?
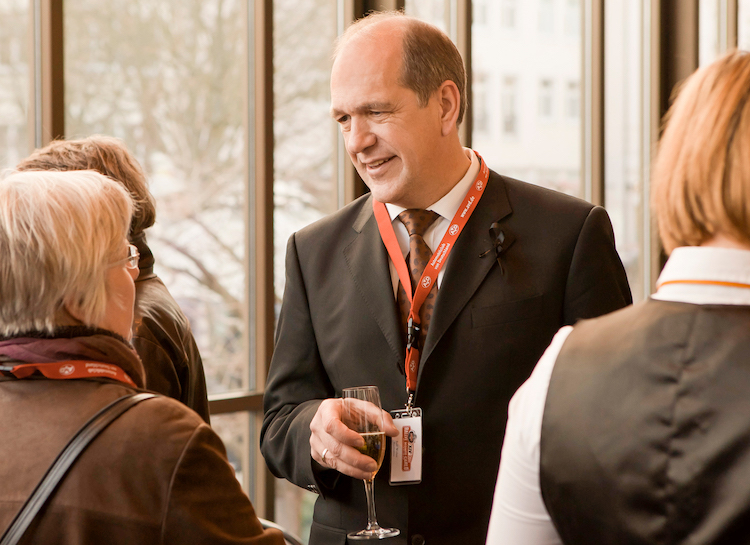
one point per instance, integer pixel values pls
(646, 428)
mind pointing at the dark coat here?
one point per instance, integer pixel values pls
(339, 327)
(157, 475)
(164, 341)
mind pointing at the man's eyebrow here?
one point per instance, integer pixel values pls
(363, 108)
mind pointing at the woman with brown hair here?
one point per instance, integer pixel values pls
(633, 427)
(161, 333)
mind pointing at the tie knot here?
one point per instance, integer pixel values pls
(417, 221)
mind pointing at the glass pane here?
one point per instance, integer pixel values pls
(623, 114)
(15, 140)
(305, 139)
(168, 77)
(743, 24)
(237, 430)
(294, 508)
(305, 184)
(431, 11)
(527, 98)
(708, 31)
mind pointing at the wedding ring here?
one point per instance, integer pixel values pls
(323, 455)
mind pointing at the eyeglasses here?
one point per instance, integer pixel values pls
(131, 262)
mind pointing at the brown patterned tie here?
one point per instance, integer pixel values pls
(417, 222)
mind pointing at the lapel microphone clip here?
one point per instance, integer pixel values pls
(500, 243)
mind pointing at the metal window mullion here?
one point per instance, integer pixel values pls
(48, 100)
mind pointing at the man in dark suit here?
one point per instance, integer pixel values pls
(528, 261)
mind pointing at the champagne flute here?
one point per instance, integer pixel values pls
(363, 414)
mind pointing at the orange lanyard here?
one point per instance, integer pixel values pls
(70, 369)
(434, 265)
(706, 283)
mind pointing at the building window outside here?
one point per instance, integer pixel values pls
(481, 113)
(508, 14)
(573, 100)
(509, 106)
(546, 99)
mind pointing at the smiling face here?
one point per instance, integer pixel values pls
(394, 143)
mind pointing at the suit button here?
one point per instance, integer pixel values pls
(417, 539)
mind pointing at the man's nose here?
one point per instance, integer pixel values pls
(360, 136)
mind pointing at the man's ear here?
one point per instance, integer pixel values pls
(450, 105)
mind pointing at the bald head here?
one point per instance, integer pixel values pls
(427, 55)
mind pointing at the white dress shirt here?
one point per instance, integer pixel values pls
(446, 208)
(519, 516)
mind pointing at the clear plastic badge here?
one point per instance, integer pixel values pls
(406, 448)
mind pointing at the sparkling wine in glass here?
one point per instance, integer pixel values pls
(363, 414)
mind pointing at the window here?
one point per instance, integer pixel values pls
(166, 77)
(15, 140)
(431, 11)
(305, 185)
(743, 24)
(624, 158)
(708, 31)
(531, 139)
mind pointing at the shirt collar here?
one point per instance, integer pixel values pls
(728, 266)
(449, 204)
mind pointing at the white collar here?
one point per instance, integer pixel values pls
(448, 205)
(705, 264)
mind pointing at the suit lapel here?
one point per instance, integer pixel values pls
(367, 260)
(465, 270)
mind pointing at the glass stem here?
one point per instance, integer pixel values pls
(372, 522)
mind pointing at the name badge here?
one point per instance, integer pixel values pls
(406, 447)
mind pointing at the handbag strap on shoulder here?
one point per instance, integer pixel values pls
(64, 461)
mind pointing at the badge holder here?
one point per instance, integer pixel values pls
(406, 447)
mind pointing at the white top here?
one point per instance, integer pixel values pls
(445, 207)
(519, 516)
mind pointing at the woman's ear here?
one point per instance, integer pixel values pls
(73, 309)
(450, 106)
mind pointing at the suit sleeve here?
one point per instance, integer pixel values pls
(597, 283)
(206, 503)
(297, 383)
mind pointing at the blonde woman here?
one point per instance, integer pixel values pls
(158, 474)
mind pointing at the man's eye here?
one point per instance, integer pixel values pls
(342, 119)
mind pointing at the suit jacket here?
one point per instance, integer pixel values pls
(164, 341)
(339, 327)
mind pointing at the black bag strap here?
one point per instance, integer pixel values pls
(63, 463)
